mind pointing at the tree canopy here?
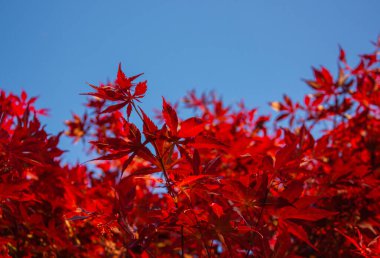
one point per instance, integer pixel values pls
(226, 182)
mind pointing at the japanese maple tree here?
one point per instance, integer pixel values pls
(224, 183)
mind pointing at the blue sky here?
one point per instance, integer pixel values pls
(252, 50)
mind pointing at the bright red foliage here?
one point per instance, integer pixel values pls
(227, 183)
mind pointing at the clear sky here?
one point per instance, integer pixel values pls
(244, 49)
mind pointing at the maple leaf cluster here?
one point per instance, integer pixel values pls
(227, 182)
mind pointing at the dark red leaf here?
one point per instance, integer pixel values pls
(208, 142)
(149, 128)
(122, 80)
(292, 191)
(309, 214)
(140, 89)
(170, 116)
(114, 108)
(299, 232)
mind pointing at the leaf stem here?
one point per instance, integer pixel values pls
(260, 215)
(182, 243)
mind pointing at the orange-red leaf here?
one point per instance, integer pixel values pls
(190, 179)
(217, 209)
(191, 127)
